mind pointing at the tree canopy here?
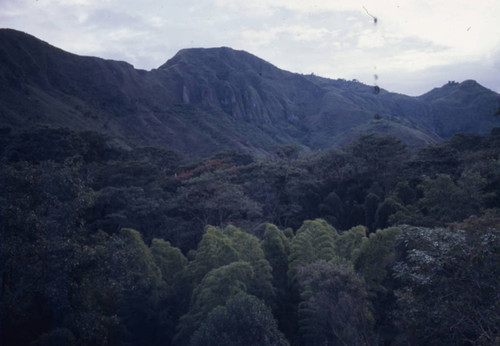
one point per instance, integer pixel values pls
(368, 244)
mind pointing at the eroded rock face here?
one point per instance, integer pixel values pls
(185, 95)
(241, 85)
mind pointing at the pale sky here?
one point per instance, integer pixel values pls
(414, 46)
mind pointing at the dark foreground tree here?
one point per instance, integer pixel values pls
(244, 320)
(335, 309)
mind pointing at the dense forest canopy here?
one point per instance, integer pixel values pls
(374, 243)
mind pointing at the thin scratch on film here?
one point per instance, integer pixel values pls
(375, 20)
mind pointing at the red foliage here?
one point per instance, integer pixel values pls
(207, 166)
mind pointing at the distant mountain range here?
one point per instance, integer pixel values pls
(207, 100)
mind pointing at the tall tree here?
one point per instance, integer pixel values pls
(349, 241)
(139, 290)
(243, 321)
(335, 309)
(276, 246)
(227, 261)
(216, 288)
(332, 209)
(379, 158)
(314, 241)
(445, 200)
(220, 247)
(374, 257)
(169, 259)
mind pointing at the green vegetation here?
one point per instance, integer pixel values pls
(261, 241)
(372, 244)
(243, 321)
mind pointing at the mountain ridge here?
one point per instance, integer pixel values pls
(205, 100)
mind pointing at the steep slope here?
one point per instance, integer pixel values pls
(462, 107)
(43, 85)
(311, 111)
(349, 108)
(205, 100)
(242, 85)
(269, 104)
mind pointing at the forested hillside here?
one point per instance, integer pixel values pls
(203, 101)
(373, 243)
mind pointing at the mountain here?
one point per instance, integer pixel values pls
(206, 100)
(462, 107)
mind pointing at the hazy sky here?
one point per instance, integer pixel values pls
(415, 45)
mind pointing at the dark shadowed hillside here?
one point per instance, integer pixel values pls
(206, 100)
(462, 107)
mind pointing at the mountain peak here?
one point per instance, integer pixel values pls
(469, 82)
(217, 57)
(471, 85)
(453, 87)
